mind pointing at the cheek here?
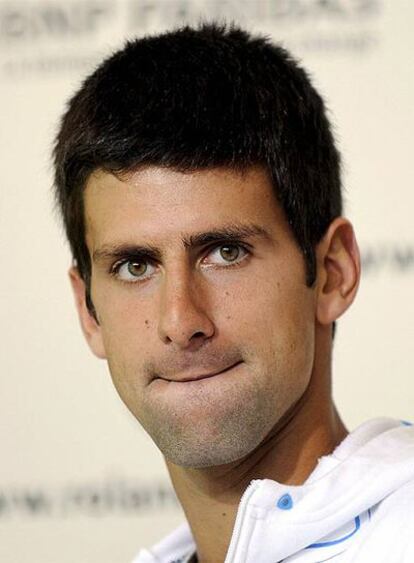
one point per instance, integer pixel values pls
(125, 322)
(125, 333)
(274, 321)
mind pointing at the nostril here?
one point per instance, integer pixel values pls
(198, 334)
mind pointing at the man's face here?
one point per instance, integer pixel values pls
(204, 314)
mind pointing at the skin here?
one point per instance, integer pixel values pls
(235, 306)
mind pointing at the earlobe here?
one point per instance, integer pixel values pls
(339, 271)
(89, 324)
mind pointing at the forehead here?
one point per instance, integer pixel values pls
(159, 204)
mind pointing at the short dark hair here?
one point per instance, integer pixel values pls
(195, 98)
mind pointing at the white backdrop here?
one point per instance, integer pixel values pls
(79, 480)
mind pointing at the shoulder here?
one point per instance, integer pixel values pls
(399, 505)
(174, 548)
(389, 536)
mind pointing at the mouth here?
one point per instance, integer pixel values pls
(200, 377)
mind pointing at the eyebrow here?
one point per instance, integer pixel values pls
(224, 234)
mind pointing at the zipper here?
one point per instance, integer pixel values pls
(241, 514)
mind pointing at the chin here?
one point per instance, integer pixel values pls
(210, 453)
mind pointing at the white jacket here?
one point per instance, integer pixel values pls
(356, 506)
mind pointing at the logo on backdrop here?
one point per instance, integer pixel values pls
(51, 37)
(23, 22)
(112, 497)
(383, 257)
(47, 38)
(322, 26)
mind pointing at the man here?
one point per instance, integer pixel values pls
(199, 186)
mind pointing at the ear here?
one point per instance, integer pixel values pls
(339, 271)
(89, 324)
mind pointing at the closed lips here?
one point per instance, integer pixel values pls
(197, 377)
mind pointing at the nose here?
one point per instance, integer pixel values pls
(183, 319)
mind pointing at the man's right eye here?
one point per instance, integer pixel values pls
(132, 270)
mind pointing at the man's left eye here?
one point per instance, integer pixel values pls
(227, 254)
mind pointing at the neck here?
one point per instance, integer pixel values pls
(310, 429)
